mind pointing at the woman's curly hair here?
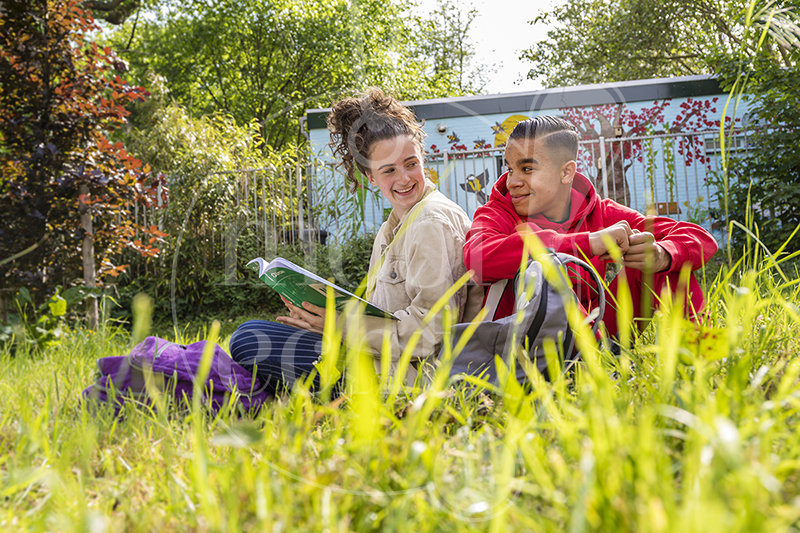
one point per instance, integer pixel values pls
(356, 124)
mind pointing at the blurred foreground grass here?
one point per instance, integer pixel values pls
(691, 430)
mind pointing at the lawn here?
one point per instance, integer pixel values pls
(694, 429)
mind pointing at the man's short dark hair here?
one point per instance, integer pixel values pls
(558, 135)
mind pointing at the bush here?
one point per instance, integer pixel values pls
(202, 291)
(764, 189)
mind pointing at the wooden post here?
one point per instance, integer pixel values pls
(603, 168)
(300, 200)
(88, 254)
(3, 308)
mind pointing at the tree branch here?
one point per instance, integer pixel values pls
(114, 11)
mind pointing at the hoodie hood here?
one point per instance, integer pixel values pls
(583, 200)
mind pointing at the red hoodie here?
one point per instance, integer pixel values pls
(494, 246)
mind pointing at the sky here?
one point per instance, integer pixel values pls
(500, 32)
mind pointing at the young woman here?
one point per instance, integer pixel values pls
(416, 257)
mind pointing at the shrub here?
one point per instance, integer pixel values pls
(764, 191)
(203, 292)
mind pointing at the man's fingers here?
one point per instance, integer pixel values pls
(636, 249)
(642, 237)
(623, 242)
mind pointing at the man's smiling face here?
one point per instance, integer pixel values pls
(537, 181)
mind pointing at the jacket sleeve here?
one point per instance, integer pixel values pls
(495, 245)
(684, 241)
(434, 263)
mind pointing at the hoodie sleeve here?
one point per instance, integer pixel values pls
(495, 247)
(685, 242)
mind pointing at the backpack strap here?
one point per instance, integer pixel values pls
(567, 259)
(493, 298)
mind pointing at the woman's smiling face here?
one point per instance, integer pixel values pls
(396, 169)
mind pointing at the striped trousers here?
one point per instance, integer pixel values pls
(278, 354)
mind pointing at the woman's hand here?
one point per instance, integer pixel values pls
(310, 317)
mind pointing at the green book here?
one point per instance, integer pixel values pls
(298, 285)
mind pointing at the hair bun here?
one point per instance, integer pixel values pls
(356, 124)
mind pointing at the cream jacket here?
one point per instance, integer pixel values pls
(415, 260)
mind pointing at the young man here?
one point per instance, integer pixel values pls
(542, 193)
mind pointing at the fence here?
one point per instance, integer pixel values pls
(674, 175)
(268, 205)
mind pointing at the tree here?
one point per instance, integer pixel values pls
(113, 11)
(442, 44)
(270, 60)
(60, 96)
(267, 60)
(595, 41)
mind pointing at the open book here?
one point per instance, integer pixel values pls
(298, 285)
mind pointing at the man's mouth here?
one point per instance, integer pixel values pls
(520, 198)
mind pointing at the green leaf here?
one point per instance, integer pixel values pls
(75, 295)
(25, 295)
(58, 306)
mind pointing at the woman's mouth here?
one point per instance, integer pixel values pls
(406, 191)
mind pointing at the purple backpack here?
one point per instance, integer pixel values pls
(173, 367)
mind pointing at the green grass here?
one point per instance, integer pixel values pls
(676, 435)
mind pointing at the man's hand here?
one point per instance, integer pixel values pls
(645, 254)
(619, 234)
(310, 317)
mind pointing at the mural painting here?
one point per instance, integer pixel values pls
(660, 154)
(616, 123)
(622, 128)
(477, 185)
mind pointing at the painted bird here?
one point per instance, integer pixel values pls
(477, 185)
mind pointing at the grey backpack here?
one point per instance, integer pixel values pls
(543, 315)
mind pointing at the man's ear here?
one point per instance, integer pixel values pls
(568, 170)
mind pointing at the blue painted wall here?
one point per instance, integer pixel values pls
(647, 107)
